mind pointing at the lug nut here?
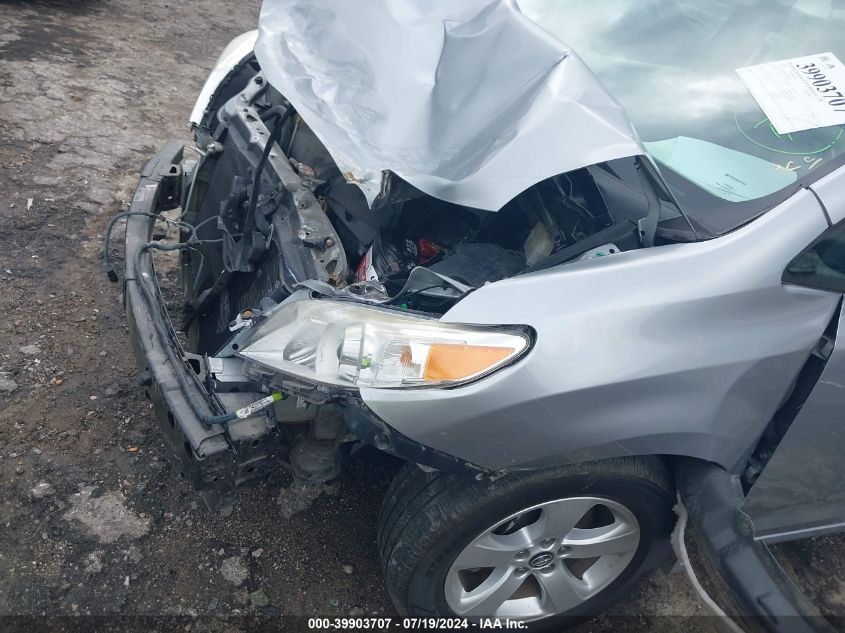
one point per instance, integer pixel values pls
(547, 542)
(565, 549)
(522, 554)
(521, 570)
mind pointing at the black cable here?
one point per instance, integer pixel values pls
(275, 135)
(190, 242)
(111, 273)
(165, 334)
(206, 221)
(198, 275)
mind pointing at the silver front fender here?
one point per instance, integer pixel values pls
(683, 349)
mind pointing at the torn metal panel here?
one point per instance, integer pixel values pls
(470, 102)
(231, 56)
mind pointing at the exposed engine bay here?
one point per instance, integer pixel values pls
(267, 216)
(277, 214)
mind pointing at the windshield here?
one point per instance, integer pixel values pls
(672, 64)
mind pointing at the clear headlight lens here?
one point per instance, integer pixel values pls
(349, 345)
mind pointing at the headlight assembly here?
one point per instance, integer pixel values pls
(349, 345)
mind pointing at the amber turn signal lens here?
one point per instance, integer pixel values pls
(458, 362)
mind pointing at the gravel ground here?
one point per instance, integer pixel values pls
(93, 521)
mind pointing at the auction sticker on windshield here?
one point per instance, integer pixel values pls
(799, 94)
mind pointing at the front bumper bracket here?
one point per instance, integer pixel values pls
(215, 459)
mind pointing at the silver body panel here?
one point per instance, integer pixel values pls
(678, 350)
(682, 350)
(396, 85)
(800, 492)
(831, 192)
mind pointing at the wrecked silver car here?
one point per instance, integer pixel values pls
(432, 228)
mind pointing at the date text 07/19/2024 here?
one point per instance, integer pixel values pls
(426, 624)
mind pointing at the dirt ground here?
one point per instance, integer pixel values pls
(93, 521)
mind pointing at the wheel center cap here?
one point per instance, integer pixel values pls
(541, 560)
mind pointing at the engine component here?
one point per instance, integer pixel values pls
(314, 462)
(315, 457)
(478, 264)
(427, 250)
(386, 259)
(294, 411)
(539, 244)
(276, 231)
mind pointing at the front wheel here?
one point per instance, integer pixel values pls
(550, 546)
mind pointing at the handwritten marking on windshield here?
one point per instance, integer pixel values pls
(811, 163)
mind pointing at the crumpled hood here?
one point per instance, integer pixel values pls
(469, 100)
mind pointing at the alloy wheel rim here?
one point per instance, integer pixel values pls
(543, 560)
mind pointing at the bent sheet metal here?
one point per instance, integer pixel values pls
(470, 102)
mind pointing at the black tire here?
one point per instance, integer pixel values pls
(428, 518)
